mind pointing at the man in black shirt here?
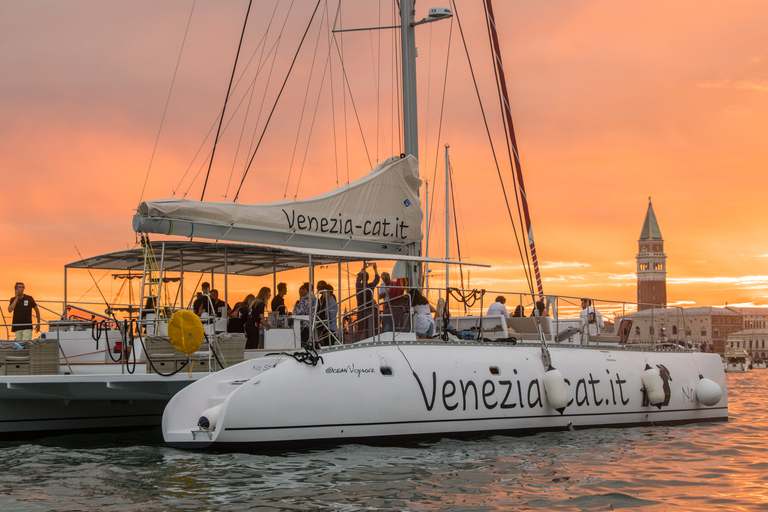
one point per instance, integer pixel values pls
(202, 304)
(21, 306)
(278, 302)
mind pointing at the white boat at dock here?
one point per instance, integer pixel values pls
(736, 360)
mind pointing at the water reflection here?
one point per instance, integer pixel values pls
(700, 467)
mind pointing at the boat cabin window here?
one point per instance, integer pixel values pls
(387, 371)
(495, 370)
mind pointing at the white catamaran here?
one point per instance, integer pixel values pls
(515, 375)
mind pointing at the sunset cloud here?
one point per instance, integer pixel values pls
(612, 102)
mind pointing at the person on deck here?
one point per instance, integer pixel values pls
(519, 311)
(239, 314)
(498, 307)
(202, 304)
(541, 308)
(591, 319)
(324, 313)
(384, 298)
(366, 311)
(278, 302)
(257, 318)
(219, 306)
(425, 323)
(306, 305)
(21, 306)
(333, 308)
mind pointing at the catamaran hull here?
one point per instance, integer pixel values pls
(56, 404)
(388, 392)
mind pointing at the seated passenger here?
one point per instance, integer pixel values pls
(591, 319)
(498, 308)
(541, 308)
(519, 311)
(425, 324)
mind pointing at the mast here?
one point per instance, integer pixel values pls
(513, 141)
(410, 113)
(410, 106)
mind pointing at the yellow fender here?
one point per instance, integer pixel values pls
(186, 332)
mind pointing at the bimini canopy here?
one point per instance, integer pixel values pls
(380, 213)
(234, 259)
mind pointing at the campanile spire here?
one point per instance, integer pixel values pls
(651, 264)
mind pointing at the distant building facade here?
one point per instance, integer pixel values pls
(651, 264)
(754, 337)
(707, 328)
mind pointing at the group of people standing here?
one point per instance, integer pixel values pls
(251, 315)
(392, 315)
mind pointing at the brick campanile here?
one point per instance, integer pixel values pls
(651, 264)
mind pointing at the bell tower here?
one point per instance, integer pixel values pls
(651, 264)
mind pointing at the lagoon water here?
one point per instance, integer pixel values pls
(710, 466)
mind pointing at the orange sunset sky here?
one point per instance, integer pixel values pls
(613, 103)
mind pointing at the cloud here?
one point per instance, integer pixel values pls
(742, 281)
(563, 264)
(747, 85)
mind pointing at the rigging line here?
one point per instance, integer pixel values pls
(226, 99)
(210, 131)
(429, 97)
(277, 100)
(333, 102)
(303, 109)
(440, 122)
(357, 115)
(377, 72)
(502, 103)
(263, 45)
(96, 283)
(502, 81)
(268, 81)
(340, 51)
(456, 226)
(490, 141)
(167, 102)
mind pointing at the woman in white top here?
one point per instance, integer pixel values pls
(425, 324)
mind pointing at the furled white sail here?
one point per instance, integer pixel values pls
(381, 212)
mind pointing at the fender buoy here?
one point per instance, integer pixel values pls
(708, 392)
(209, 418)
(186, 332)
(654, 386)
(555, 389)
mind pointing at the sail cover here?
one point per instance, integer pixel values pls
(381, 212)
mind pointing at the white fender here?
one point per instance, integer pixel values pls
(654, 386)
(209, 417)
(708, 392)
(555, 389)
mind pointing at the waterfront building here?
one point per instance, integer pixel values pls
(705, 327)
(754, 337)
